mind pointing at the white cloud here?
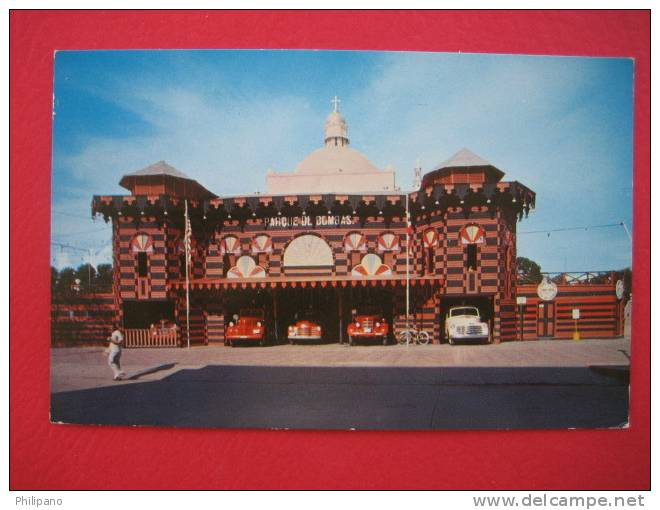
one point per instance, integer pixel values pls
(208, 138)
(529, 116)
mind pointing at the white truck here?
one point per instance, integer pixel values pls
(463, 323)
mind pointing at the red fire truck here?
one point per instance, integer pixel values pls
(248, 326)
(368, 325)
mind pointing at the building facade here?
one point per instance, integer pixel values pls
(332, 236)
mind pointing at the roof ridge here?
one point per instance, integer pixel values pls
(161, 167)
(463, 158)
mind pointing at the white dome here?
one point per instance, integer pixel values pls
(333, 168)
(336, 160)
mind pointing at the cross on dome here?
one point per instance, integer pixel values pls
(336, 130)
(335, 102)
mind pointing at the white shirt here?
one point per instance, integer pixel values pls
(116, 341)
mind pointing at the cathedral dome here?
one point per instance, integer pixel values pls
(336, 157)
(336, 160)
(335, 167)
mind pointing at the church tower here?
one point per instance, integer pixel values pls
(336, 129)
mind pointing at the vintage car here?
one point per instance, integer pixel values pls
(307, 327)
(249, 326)
(463, 323)
(368, 326)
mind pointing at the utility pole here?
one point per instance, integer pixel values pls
(625, 227)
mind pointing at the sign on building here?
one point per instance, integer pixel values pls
(547, 290)
(620, 288)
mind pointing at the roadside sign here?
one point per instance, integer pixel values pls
(576, 313)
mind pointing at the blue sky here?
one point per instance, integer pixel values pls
(560, 125)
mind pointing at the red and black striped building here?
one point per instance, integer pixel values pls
(332, 251)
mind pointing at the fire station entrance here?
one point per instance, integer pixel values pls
(483, 303)
(366, 301)
(333, 307)
(316, 304)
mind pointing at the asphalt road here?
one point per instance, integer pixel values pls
(342, 397)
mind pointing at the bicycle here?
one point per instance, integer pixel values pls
(413, 335)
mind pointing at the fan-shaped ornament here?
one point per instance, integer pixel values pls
(472, 234)
(371, 265)
(230, 245)
(308, 251)
(142, 242)
(431, 238)
(388, 242)
(355, 241)
(246, 268)
(262, 244)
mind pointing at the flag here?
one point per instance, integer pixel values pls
(187, 237)
(186, 245)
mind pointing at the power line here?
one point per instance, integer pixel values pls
(62, 213)
(567, 229)
(69, 247)
(103, 229)
(89, 251)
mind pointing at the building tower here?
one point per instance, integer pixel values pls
(417, 183)
(336, 129)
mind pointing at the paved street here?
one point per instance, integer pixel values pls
(539, 384)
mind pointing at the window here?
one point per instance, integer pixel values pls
(471, 260)
(226, 264)
(507, 262)
(182, 264)
(430, 269)
(142, 263)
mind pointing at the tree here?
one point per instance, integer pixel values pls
(54, 277)
(66, 278)
(86, 274)
(528, 271)
(104, 275)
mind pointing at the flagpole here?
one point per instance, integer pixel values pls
(407, 264)
(186, 244)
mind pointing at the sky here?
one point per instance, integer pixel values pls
(560, 125)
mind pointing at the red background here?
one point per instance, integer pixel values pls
(79, 457)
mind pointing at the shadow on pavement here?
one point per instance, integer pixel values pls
(357, 397)
(621, 373)
(136, 375)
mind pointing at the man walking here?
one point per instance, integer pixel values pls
(116, 340)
